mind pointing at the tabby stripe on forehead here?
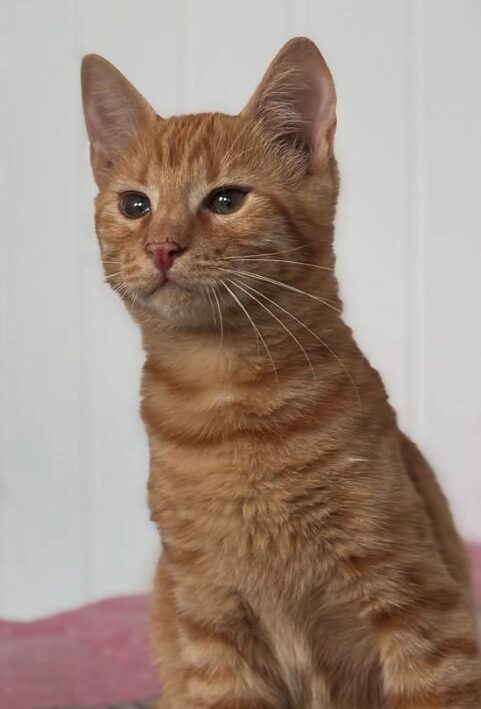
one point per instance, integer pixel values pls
(182, 142)
(199, 143)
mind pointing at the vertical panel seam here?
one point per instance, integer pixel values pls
(183, 56)
(296, 17)
(84, 460)
(415, 237)
(3, 368)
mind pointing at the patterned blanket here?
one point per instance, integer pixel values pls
(96, 657)
(134, 705)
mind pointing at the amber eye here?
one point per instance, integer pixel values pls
(134, 204)
(226, 200)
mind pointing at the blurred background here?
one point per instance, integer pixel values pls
(74, 523)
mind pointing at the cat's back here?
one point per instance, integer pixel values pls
(437, 509)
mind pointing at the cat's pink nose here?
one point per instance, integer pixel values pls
(163, 253)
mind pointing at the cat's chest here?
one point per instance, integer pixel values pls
(217, 509)
(246, 512)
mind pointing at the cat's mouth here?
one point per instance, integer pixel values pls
(163, 282)
(167, 284)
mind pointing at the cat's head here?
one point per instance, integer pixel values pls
(197, 213)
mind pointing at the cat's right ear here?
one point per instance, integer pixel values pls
(296, 100)
(115, 113)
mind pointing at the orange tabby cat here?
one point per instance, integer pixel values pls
(310, 560)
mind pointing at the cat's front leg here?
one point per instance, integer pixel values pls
(220, 668)
(210, 650)
(427, 642)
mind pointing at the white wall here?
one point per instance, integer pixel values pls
(73, 519)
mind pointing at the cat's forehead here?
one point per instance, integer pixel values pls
(201, 144)
(190, 154)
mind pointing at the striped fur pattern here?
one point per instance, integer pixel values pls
(310, 560)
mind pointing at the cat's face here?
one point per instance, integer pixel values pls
(196, 213)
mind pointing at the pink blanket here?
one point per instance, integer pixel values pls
(95, 655)
(92, 656)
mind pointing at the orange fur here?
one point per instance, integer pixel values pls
(310, 560)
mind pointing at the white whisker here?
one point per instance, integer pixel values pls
(291, 334)
(267, 279)
(134, 297)
(268, 253)
(315, 335)
(221, 334)
(282, 260)
(121, 289)
(209, 296)
(256, 329)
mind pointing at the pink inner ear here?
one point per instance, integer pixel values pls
(311, 98)
(108, 121)
(297, 97)
(112, 124)
(318, 107)
(306, 105)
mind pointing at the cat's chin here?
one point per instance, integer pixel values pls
(177, 306)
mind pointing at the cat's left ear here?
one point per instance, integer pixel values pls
(296, 99)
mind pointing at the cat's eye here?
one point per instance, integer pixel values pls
(134, 205)
(226, 200)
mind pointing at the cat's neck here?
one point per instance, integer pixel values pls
(275, 363)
